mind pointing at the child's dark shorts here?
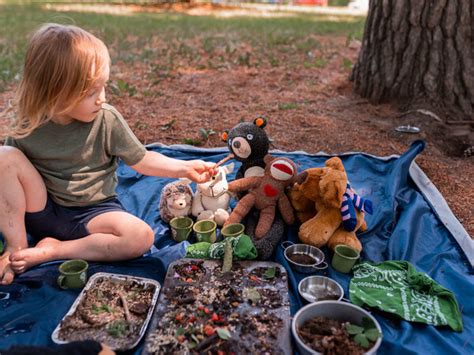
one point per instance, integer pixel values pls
(66, 223)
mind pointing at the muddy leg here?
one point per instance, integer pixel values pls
(22, 189)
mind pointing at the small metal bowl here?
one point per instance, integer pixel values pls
(292, 250)
(320, 288)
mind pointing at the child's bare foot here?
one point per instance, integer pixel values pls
(24, 259)
(6, 272)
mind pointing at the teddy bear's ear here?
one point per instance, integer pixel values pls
(260, 121)
(332, 186)
(301, 178)
(335, 163)
(267, 158)
(225, 135)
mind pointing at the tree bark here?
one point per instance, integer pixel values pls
(418, 50)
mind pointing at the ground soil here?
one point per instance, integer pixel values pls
(328, 117)
(324, 116)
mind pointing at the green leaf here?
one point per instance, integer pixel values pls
(223, 333)
(180, 331)
(122, 85)
(1, 247)
(372, 334)
(270, 273)
(168, 125)
(361, 340)
(367, 323)
(203, 133)
(354, 329)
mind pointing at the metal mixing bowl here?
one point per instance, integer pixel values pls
(341, 311)
(320, 288)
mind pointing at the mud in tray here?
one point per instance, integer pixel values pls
(202, 310)
(112, 309)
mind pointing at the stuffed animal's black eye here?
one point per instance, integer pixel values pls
(213, 178)
(249, 137)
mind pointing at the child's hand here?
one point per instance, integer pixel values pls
(199, 171)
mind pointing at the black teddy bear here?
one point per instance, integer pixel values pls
(249, 143)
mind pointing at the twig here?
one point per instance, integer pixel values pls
(125, 307)
(206, 342)
(423, 112)
(229, 157)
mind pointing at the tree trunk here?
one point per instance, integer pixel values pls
(418, 50)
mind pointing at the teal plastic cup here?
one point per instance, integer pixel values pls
(344, 258)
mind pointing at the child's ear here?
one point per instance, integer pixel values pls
(225, 135)
(260, 121)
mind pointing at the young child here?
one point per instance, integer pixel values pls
(58, 165)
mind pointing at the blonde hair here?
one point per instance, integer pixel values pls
(63, 62)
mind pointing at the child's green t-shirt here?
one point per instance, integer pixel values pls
(78, 161)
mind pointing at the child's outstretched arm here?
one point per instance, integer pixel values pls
(156, 164)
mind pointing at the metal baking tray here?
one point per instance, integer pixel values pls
(161, 326)
(100, 334)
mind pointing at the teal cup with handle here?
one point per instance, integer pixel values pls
(73, 274)
(181, 228)
(232, 230)
(344, 258)
(205, 231)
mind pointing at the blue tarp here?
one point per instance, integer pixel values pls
(406, 225)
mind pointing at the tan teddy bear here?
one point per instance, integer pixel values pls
(317, 198)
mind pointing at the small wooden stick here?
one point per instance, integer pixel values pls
(229, 157)
(125, 307)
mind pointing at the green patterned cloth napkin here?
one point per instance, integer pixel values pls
(396, 287)
(242, 247)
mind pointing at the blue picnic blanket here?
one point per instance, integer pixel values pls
(411, 222)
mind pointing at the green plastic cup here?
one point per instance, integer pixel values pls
(233, 230)
(205, 231)
(344, 258)
(181, 227)
(73, 274)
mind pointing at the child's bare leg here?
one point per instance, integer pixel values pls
(114, 236)
(22, 189)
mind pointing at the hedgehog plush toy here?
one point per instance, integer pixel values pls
(175, 200)
(249, 144)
